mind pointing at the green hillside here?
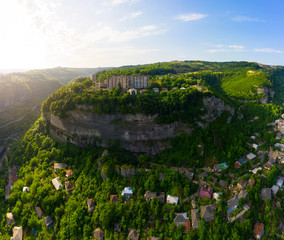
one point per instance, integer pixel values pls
(66, 75)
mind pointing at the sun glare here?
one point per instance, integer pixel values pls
(19, 43)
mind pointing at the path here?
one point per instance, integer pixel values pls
(20, 119)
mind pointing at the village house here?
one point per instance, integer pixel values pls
(220, 167)
(268, 166)
(255, 146)
(91, 205)
(68, 186)
(150, 195)
(26, 189)
(250, 156)
(195, 218)
(203, 175)
(127, 193)
(39, 212)
(265, 193)
(48, 221)
(164, 90)
(193, 203)
(182, 219)
(10, 219)
(56, 183)
(207, 212)
(189, 175)
(217, 196)
(143, 91)
(206, 192)
(242, 194)
(279, 182)
(154, 238)
(251, 182)
(57, 166)
(258, 230)
(114, 198)
(99, 234)
(156, 90)
(133, 235)
(232, 204)
(132, 91)
(17, 233)
(172, 199)
(240, 162)
(255, 170)
(242, 184)
(274, 189)
(223, 184)
(69, 173)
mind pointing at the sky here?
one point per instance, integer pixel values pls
(111, 33)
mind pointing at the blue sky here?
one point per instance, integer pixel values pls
(96, 33)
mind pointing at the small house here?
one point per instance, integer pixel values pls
(207, 212)
(127, 193)
(69, 173)
(48, 221)
(258, 230)
(68, 186)
(156, 90)
(217, 196)
(242, 194)
(206, 192)
(182, 219)
(250, 156)
(242, 184)
(220, 167)
(265, 193)
(193, 203)
(223, 184)
(17, 233)
(279, 182)
(251, 181)
(26, 189)
(268, 165)
(203, 175)
(189, 175)
(164, 89)
(39, 212)
(172, 199)
(91, 205)
(232, 204)
(132, 91)
(57, 166)
(133, 235)
(274, 189)
(99, 234)
(56, 183)
(150, 195)
(10, 219)
(143, 91)
(195, 218)
(114, 198)
(255, 146)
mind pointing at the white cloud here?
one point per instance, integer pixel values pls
(216, 50)
(131, 16)
(246, 19)
(119, 2)
(268, 50)
(236, 46)
(190, 17)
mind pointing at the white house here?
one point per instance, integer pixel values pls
(132, 91)
(26, 189)
(279, 182)
(250, 156)
(56, 183)
(172, 199)
(274, 189)
(127, 192)
(217, 196)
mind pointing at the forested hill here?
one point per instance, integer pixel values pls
(66, 75)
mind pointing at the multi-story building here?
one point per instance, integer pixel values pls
(127, 82)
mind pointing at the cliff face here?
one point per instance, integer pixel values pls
(136, 133)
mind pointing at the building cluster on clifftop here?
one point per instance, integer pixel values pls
(126, 82)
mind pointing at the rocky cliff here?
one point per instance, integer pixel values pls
(136, 133)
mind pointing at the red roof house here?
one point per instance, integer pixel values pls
(206, 192)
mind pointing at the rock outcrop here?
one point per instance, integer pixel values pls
(136, 133)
